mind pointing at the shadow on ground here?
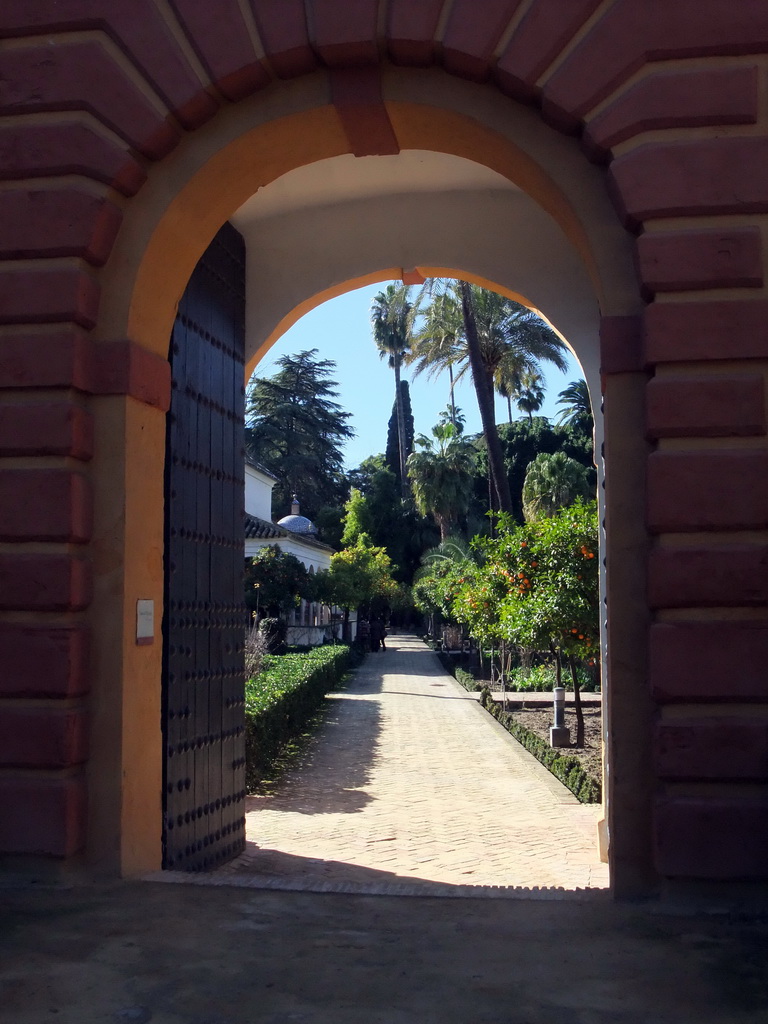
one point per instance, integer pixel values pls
(260, 867)
(336, 764)
(180, 954)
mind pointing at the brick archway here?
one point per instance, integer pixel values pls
(96, 102)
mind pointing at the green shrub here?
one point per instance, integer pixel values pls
(542, 679)
(283, 698)
(466, 679)
(455, 664)
(565, 767)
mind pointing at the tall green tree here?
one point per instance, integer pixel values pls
(437, 345)
(296, 429)
(376, 508)
(392, 454)
(392, 317)
(441, 473)
(521, 442)
(498, 341)
(482, 377)
(553, 602)
(577, 407)
(275, 582)
(530, 394)
(358, 575)
(553, 482)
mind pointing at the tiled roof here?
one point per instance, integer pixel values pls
(262, 469)
(260, 529)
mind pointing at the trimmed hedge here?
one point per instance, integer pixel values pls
(282, 699)
(455, 665)
(465, 679)
(564, 767)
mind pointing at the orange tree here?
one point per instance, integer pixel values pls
(479, 598)
(358, 575)
(276, 581)
(549, 569)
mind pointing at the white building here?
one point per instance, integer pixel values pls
(294, 534)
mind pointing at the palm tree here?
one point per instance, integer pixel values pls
(437, 346)
(441, 473)
(553, 482)
(453, 414)
(530, 394)
(508, 375)
(453, 549)
(498, 339)
(392, 315)
(577, 408)
(482, 378)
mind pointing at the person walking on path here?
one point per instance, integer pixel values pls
(377, 635)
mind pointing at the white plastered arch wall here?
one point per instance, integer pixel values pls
(188, 196)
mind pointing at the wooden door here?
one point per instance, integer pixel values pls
(203, 624)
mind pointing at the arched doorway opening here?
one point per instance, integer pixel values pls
(263, 141)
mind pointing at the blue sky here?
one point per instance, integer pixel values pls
(340, 330)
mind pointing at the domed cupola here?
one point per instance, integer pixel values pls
(297, 523)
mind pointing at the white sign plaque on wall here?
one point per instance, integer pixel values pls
(145, 622)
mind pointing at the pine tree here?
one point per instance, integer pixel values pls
(296, 430)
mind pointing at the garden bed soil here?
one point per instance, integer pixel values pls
(590, 755)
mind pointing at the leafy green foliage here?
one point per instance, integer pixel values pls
(577, 407)
(543, 679)
(441, 474)
(276, 581)
(282, 699)
(363, 477)
(439, 580)
(296, 429)
(357, 575)
(553, 482)
(521, 442)
(377, 510)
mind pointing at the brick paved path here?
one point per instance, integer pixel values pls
(410, 782)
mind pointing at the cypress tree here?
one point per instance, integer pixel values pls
(392, 455)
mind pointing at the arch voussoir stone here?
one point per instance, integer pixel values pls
(68, 148)
(83, 76)
(468, 41)
(411, 31)
(676, 99)
(282, 27)
(57, 222)
(219, 35)
(675, 261)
